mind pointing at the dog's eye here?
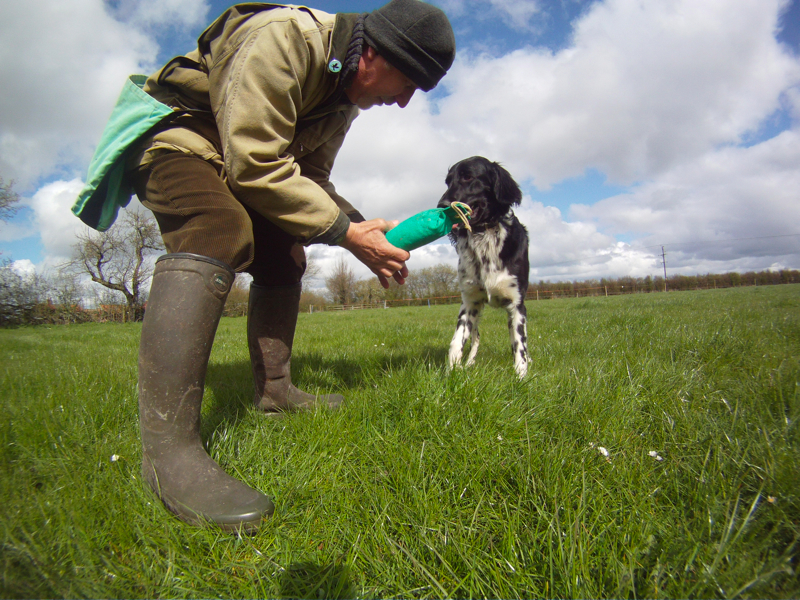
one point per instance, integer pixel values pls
(466, 178)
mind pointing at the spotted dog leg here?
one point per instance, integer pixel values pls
(466, 329)
(517, 330)
(474, 315)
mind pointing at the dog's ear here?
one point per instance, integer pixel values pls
(506, 189)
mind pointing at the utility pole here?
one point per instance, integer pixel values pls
(664, 262)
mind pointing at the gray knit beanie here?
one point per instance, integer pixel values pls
(416, 38)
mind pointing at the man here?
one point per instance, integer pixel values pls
(239, 181)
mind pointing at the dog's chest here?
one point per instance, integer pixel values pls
(481, 272)
(480, 252)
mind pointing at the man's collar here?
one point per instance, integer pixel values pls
(340, 40)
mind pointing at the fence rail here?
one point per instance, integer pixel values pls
(456, 299)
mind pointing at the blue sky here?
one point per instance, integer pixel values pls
(629, 125)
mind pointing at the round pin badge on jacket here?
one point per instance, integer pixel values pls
(334, 66)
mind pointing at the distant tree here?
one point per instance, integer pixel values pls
(369, 291)
(309, 299)
(64, 289)
(8, 200)
(64, 296)
(239, 296)
(118, 259)
(443, 280)
(415, 286)
(433, 282)
(341, 284)
(17, 299)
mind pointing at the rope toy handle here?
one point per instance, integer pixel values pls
(463, 212)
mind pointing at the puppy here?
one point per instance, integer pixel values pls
(492, 258)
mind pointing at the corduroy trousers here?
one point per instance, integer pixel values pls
(197, 213)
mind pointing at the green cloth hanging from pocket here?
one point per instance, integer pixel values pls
(423, 228)
(107, 189)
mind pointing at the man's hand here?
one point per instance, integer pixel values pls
(367, 242)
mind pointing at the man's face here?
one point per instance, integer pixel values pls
(379, 83)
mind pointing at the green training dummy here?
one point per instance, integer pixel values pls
(428, 226)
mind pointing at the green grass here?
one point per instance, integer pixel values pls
(426, 484)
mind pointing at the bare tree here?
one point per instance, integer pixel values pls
(61, 288)
(342, 282)
(117, 259)
(8, 200)
(313, 269)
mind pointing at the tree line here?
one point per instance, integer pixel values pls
(439, 285)
(107, 276)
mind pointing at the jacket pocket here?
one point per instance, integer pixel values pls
(317, 134)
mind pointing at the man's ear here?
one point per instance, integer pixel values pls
(369, 53)
(506, 189)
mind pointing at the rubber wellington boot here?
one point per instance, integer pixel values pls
(271, 321)
(183, 311)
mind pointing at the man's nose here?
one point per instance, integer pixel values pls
(404, 98)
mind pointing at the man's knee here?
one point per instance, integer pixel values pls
(195, 210)
(281, 267)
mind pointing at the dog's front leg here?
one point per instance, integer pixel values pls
(518, 332)
(466, 329)
(459, 338)
(473, 316)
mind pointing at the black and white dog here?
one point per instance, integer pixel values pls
(492, 259)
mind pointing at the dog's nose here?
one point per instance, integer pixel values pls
(443, 203)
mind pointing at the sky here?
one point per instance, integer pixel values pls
(629, 126)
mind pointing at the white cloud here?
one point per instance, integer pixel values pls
(55, 222)
(517, 14)
(394, 160)
(165, 14)
(64, 64)
(12, 231)
(644, 87)
(24, 268)
(733, 193)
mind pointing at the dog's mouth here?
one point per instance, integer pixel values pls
(475, 216)
(464, 213)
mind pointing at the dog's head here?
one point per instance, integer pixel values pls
(486, 187)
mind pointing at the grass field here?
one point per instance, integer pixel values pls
(425, 484)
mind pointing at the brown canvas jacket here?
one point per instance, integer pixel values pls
(257, 101)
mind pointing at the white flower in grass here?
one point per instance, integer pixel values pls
(114, 457)
(655, 455)
(499, 438)
(602, 451)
